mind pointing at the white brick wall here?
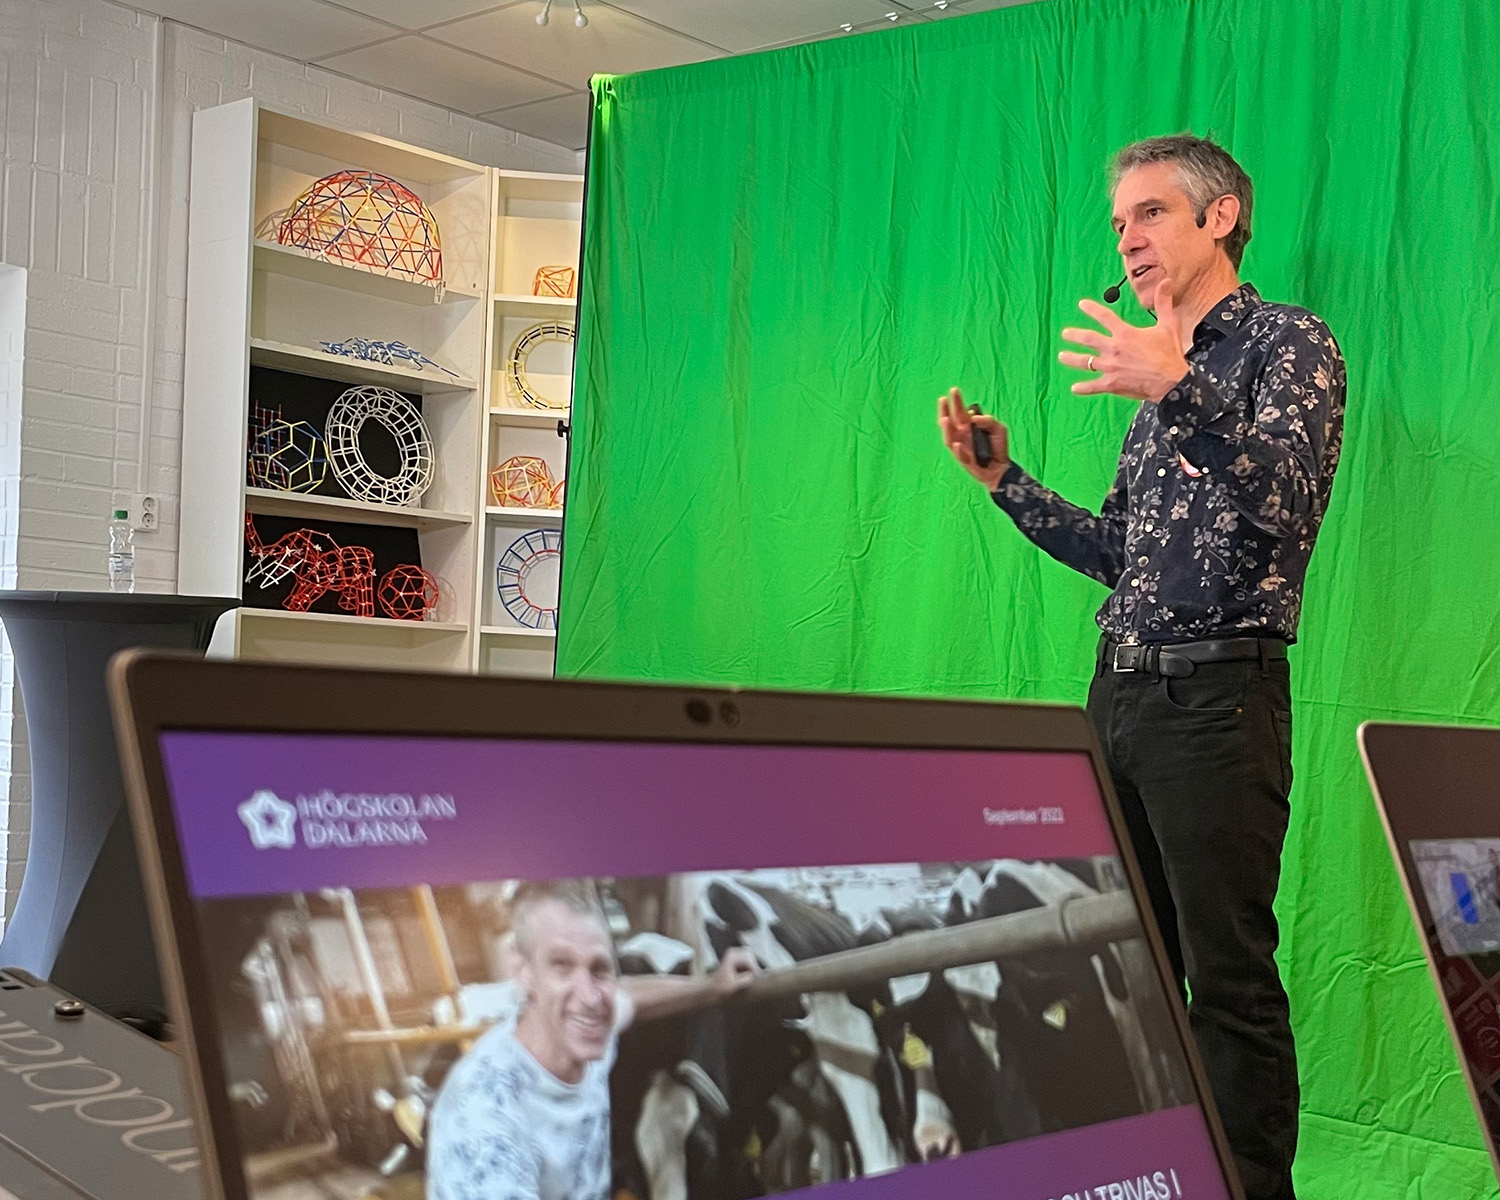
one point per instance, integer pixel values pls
(88, 91)
(15, 823)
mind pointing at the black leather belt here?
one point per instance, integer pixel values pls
(1180, 659)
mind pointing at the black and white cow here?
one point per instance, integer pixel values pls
(755, 1098)
(1062, 1016)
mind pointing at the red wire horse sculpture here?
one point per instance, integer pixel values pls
(318, 564)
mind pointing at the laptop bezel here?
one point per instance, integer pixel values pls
(1372, 737)
(153, 692)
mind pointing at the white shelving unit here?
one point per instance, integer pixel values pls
(538, 222)
(255, 303)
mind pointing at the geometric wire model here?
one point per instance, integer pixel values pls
(318, 563)
(527, 576)
(401, 419)
(523, 482)
(285, 456)
(553, 281)
(389, 353)
(555, 500)
(368, 219)
(407, 593)
(529, 340)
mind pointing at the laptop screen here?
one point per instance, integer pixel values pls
(1459, 879)
(462, 967)
(1436, 789)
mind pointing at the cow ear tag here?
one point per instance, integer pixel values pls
(914, 1052)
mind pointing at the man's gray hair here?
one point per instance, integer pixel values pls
(1205, 171)
(576, 895)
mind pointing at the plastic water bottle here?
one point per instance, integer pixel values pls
(121, 553)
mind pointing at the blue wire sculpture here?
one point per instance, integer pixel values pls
(386, 353)
(514, 570)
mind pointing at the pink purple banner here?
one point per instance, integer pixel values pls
(267, 813)
(1165, 1155)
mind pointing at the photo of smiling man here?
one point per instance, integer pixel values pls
(525, 1114)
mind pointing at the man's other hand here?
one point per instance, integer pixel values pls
(735, 971)
(957, 425)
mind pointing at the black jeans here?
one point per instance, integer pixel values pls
(1202, 767)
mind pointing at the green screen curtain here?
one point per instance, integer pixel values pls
(788, 256)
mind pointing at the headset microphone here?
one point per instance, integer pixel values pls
(1111, 294)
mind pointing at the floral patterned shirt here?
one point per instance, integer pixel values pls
(1221, 487)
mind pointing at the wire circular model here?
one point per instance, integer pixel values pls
(528, 341)
(400, 418)
(370, 220)
(527, 578)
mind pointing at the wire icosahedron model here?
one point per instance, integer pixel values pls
(529, 340)
(401, 419)
(523, 482)
(369, 220)
(526, 577)
(407, 593)
(285, 456)
(318, 564)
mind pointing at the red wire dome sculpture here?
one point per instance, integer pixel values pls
(370, 220)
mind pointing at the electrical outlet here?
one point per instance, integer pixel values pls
(146, 510)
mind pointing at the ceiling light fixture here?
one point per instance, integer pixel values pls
(545, 15)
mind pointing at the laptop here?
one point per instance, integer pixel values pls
(448, 936)
(1438, 791)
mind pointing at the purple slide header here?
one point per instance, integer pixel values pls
(269, 813)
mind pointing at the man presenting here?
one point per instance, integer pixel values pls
(1204, 539)
(525, 1114)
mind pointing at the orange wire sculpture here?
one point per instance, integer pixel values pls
(407, 593)
(367, 219)
(553, 281)
(524, 482)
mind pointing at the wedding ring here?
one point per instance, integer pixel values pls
(1091, 362)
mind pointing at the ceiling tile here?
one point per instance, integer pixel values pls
(300, 29)
(614, 42)
(416, 14)
(738, 26)
(441, 75)
(563, 122)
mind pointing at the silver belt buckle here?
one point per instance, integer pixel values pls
(1115, 660)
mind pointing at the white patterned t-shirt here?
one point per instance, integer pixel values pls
(506, 1128)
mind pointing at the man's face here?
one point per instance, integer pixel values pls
(1159, 233)
(570, 981)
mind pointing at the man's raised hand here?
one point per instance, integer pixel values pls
(1141, 363)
